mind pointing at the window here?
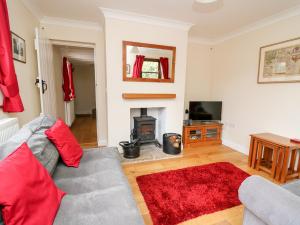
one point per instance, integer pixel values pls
(151, 69)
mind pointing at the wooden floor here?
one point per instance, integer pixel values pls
(85, 131)
(192, 157)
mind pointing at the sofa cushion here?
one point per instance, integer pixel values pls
(65, 142)
(28, 195)
(106, 178)
(33, 134)
(110, 206)
(92, 161)
(293, 187)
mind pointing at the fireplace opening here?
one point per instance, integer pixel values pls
(144, 129)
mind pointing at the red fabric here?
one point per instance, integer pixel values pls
(72, 89)
(68, 85)
(68, 147)
(138, 65)
(179, 195)
(8, 80)
(164, 62)
(28, 195)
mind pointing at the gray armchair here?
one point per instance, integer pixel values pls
(269, 204)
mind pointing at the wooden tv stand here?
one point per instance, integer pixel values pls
(202, 133)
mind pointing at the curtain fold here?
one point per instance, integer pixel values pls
(138, 65)
(164, 62)
(8, 79)
(72, 89)
(68, 85)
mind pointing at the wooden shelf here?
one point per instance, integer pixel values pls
(147, 96)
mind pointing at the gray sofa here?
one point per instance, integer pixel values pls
(269, 204)
(97, 192)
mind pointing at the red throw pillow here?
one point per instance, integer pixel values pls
(65, 142)
(28, 195)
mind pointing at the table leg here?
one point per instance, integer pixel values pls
(279, 164)
(254, 153)
(259, 155)
(293, 160)
(250, 157)
(274, 161)
(285, 165)
(298, 168)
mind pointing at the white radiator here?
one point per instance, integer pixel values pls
(8, 127)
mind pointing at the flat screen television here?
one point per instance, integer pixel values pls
(205, 110)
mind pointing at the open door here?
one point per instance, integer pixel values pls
(45, 79)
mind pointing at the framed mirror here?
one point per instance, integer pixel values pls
(144, 62)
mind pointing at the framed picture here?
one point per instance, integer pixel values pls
(128, 68)
(18, 48)
(280, 62)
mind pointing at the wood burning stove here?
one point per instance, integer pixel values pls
(144, 128)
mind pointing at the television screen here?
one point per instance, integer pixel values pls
(205, 110)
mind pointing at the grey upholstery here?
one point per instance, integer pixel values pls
(269, 204)
(33, 134)
(97, 191)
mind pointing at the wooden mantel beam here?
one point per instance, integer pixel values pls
(147, 96)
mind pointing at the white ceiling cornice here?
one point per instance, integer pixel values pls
(35, 11)
(70, 23)
(286, 14)
(140, 18)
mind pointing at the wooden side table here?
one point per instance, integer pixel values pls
(277, 151)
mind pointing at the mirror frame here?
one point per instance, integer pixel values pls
(146, 45)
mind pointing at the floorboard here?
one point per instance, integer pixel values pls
(192, 157)
(85, 131)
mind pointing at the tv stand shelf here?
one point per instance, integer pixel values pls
(202, 133)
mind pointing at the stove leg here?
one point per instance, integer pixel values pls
(157, 144)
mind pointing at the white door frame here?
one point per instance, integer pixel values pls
(85, 45)
(44, 51)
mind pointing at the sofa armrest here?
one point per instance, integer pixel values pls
(270, 202)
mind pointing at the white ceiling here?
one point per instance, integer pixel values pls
(77, 55)
(212, 21)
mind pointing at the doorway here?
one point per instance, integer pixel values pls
(80, 112)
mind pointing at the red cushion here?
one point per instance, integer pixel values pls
(28, 195)
(68, 147)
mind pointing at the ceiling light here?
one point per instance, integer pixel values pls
(205, 1)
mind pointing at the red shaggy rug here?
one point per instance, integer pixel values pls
(179, 195)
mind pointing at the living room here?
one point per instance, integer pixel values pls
(218, 78)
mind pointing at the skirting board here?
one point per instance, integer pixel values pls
(102, 142)
(235, 146)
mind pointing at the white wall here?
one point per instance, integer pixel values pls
(57, 65)
(249, 107)
(84, 82)
(56, 31)
(199, 69)
(118, 109)
(22, 22)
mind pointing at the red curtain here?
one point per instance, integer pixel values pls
(72, 90)
(138, 65)
(164, 62)
(8, 80)
(68, 85)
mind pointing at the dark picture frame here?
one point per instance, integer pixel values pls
(18, 48)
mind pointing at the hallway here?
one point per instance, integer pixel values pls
(85, 130)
